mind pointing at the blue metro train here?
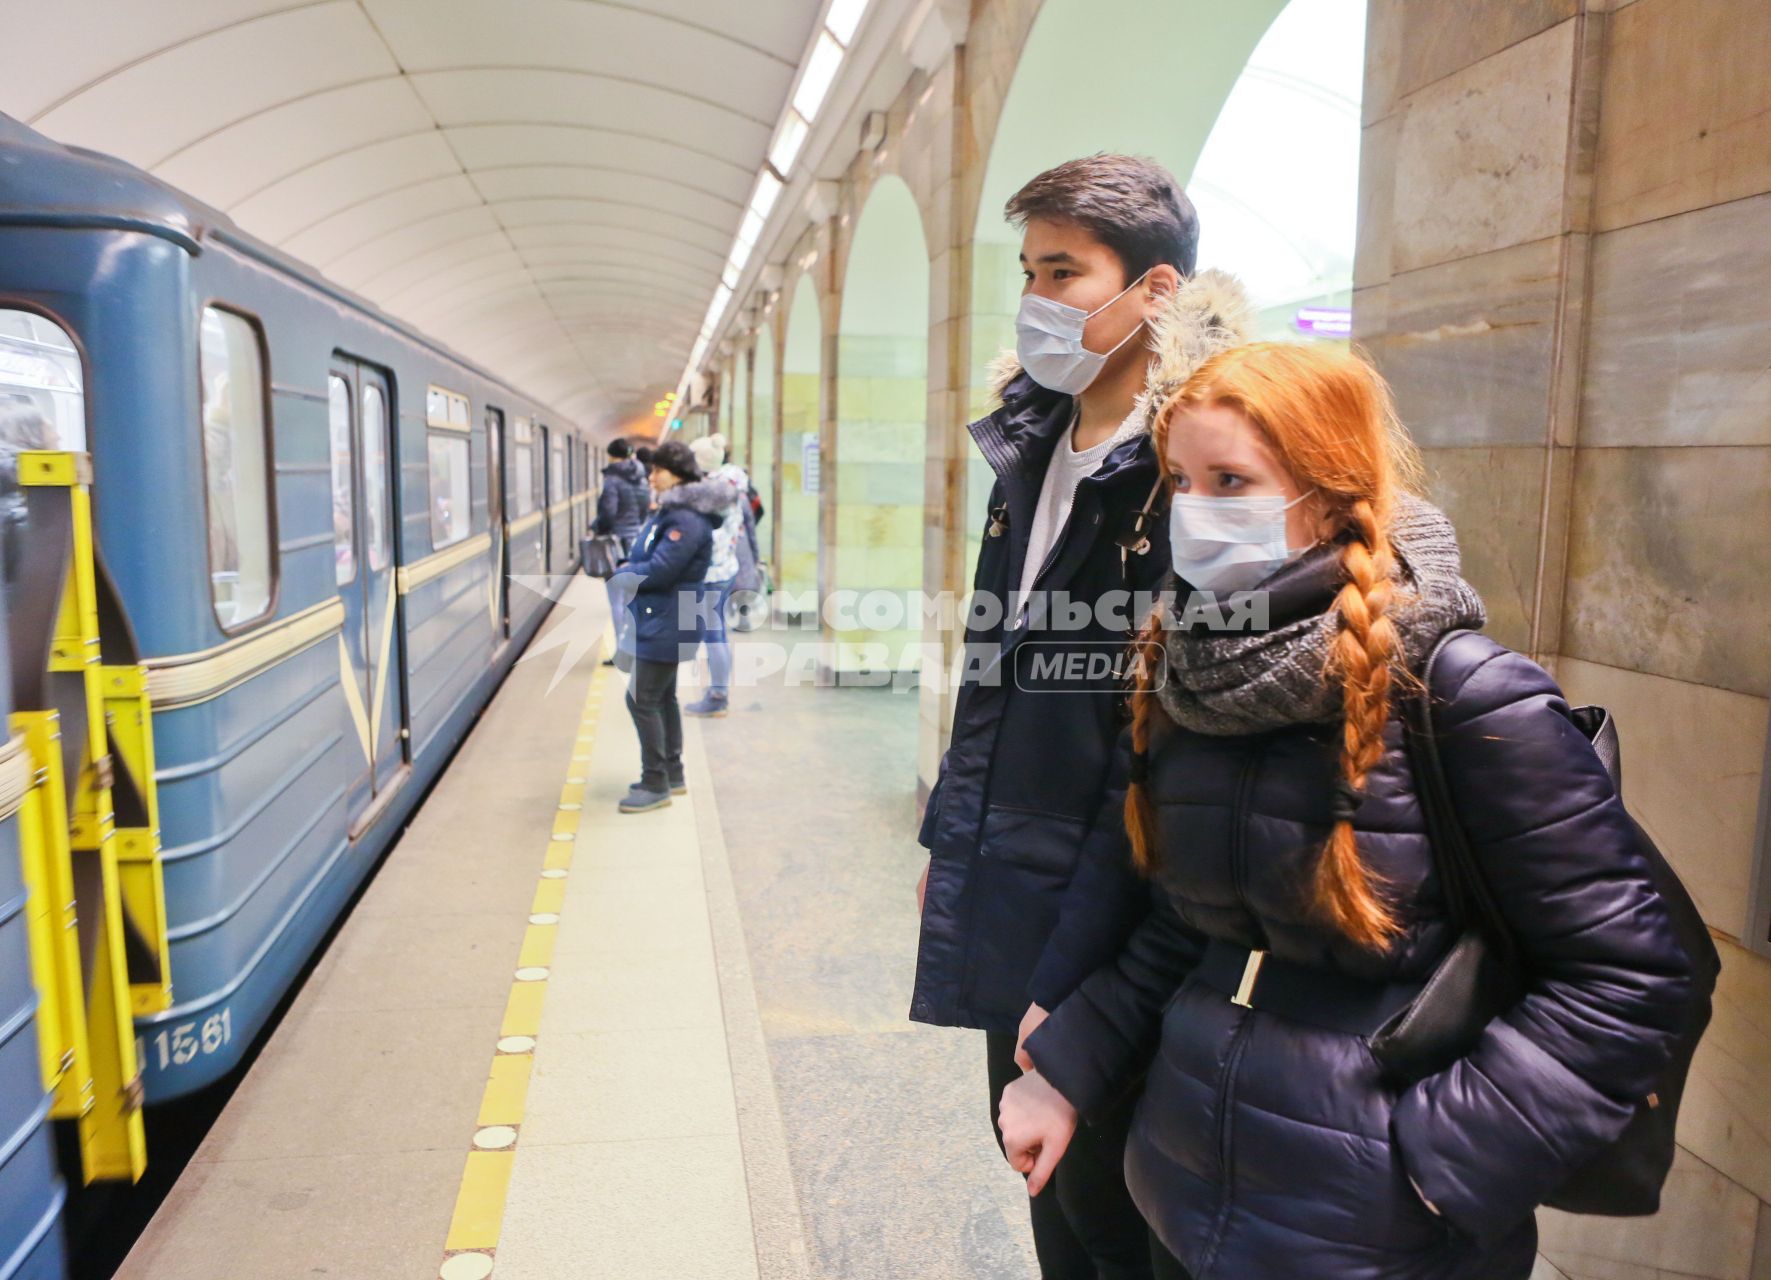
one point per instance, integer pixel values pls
(307, 529)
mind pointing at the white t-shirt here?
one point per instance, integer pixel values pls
(1056, 496)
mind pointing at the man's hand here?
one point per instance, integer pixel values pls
(1029, 1024)
(922, 885)
(1037, 1125)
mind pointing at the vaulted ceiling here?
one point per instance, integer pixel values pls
(549, 186)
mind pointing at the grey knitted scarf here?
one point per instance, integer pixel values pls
(1234, 682)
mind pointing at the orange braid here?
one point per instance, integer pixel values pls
(1140, 815)
(1363, 654)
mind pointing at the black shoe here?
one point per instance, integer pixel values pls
(640, 799)
(679, 785)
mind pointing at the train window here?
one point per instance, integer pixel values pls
(42, 394)
(522, 468)
(236, 468)
(451, 509)
(556, 463)
(375, 479)
(444, 408)
(344, 548)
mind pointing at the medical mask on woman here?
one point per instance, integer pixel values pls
(1229, 544)
(1048, 340)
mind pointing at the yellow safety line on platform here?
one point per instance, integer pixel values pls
(472, 1245)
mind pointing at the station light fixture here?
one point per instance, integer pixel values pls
(842, 19)
(788, 140)
(820, 74)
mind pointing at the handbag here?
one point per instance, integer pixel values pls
(1483, 975)
(603, 554)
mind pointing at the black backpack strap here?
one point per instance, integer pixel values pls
(1468, 897)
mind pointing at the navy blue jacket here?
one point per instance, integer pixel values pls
(621, 506)
(663, 578)
(1266, 1149)
(1007, 920)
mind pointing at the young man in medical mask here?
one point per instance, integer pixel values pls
(1019, 902)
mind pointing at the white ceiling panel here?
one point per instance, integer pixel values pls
(395, 278)
(420, 235)
(593, 39)
(315, 191)
(552, 186)
(600, 215)
(370, 219)
(618, 146)
(514, 182)
(53, 60)
(243, 158)
(458, 284)
(204, 84)
(567, 235)
(564, 97)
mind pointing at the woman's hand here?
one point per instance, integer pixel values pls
(1029, 1024)
(1037, 1125)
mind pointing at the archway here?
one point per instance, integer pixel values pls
(881, 440)
(801, 383)
(1259, 120)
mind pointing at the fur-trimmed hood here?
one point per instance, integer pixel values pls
(1209, 313)
(711, 496)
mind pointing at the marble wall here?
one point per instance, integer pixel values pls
(1565, 238)
(882, 406)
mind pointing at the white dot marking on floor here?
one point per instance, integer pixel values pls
(495, 1137)
(466, 1266)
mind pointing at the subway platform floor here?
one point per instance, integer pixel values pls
(555, 1042)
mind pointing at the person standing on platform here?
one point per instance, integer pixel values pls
(664, 585)
(620, 510)
(731, 540)
(1299, 903)
(1015, 913)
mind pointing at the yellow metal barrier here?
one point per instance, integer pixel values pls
(94, 885)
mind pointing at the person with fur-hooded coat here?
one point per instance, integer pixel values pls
(1003, 922)
(1018, 906)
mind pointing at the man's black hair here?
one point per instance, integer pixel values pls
(619, 448)
(1132, 205)
(675, 457)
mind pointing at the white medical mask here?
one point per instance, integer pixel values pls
(1048, 340)
(1229, 544)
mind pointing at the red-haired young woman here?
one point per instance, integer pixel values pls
(1272, 804)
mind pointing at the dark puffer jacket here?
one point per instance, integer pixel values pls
(621, 506)
(664, 575)
(1265, 1149)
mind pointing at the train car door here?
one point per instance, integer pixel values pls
(362, 426)
(500, 562)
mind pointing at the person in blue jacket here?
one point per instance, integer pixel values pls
(662, 581)
(1272, 803)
